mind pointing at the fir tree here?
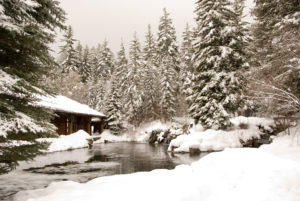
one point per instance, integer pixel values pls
(78, 56)
(187, 71)
(168, 58)
(277, 49)
(26, 31)
(96, 84)
(134, 93)
(217, 85)
(68, 61)
(106, 61)
(151, 80)
(121, 74)
(113, 108)
(85, 68)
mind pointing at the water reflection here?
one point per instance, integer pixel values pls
(87, 164)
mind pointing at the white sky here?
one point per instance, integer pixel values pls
(93, 21)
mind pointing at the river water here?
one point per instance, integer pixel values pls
(83, 165)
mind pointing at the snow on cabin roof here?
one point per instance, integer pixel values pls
(64, 104)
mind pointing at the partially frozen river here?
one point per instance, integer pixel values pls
(83, 165)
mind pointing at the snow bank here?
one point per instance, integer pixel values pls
(67, 142)
(106, 136)
(284, 145)
(234, 174)
(217, 140)
(143, 132)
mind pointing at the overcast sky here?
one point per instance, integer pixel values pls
(93, 21)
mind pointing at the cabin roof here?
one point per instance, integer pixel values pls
(67, 105)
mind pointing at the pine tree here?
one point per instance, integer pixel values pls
(26, 31)
(168, 58)
(106, 61)
(85, 68)
(151, 80)
(277, 49)
(121, 74)
(68, 61)
(96, 88)
(134, 93)
(187, 71)
(166, 41)
(78, 56)
(113, 108)
(105, 70)
(217, 85)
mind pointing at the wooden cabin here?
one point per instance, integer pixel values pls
(71, 116)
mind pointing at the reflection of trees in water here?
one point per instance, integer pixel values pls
(135, 157)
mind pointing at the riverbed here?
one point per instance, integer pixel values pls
(82, 165)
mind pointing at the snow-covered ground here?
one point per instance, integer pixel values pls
(67, 142)
(245, 128)
(271, 172)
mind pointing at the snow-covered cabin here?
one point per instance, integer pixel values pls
(71, 116)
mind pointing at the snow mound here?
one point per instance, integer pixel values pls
(106, 136)
(217, 140)
(284, 145)
(234, 174)
(67, 142)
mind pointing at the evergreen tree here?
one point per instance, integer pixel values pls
(68, 61)
(166, 41)
(168, 58)
(135, 76)
(113, 108)
(121, 74)
(106, 67)
(85, 68)
(277, 49)
(217, 85)
(151, 80)
(78, 56)
(106, 61)
(186, 74)
(96, 90)
(26, 30)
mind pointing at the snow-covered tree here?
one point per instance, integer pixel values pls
(168, 58)
(121, 75)
(168, 91)
(187, 72)
(85, 68)
(151, 79)
(166, 41)
(67, 59)
(134, 93)
(106, 61)
(113, 107)
(78, 56)
(26, 31)
(277, 49)
(218, 57)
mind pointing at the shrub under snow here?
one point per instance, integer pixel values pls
(217, 140)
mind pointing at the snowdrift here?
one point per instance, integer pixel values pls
(234, 174)
(67, 142)
(217, 140)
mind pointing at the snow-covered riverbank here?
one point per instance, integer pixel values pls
(271, 172)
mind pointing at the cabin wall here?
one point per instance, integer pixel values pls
(98, 126)
(70, 123)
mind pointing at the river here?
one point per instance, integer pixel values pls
(82, 165)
